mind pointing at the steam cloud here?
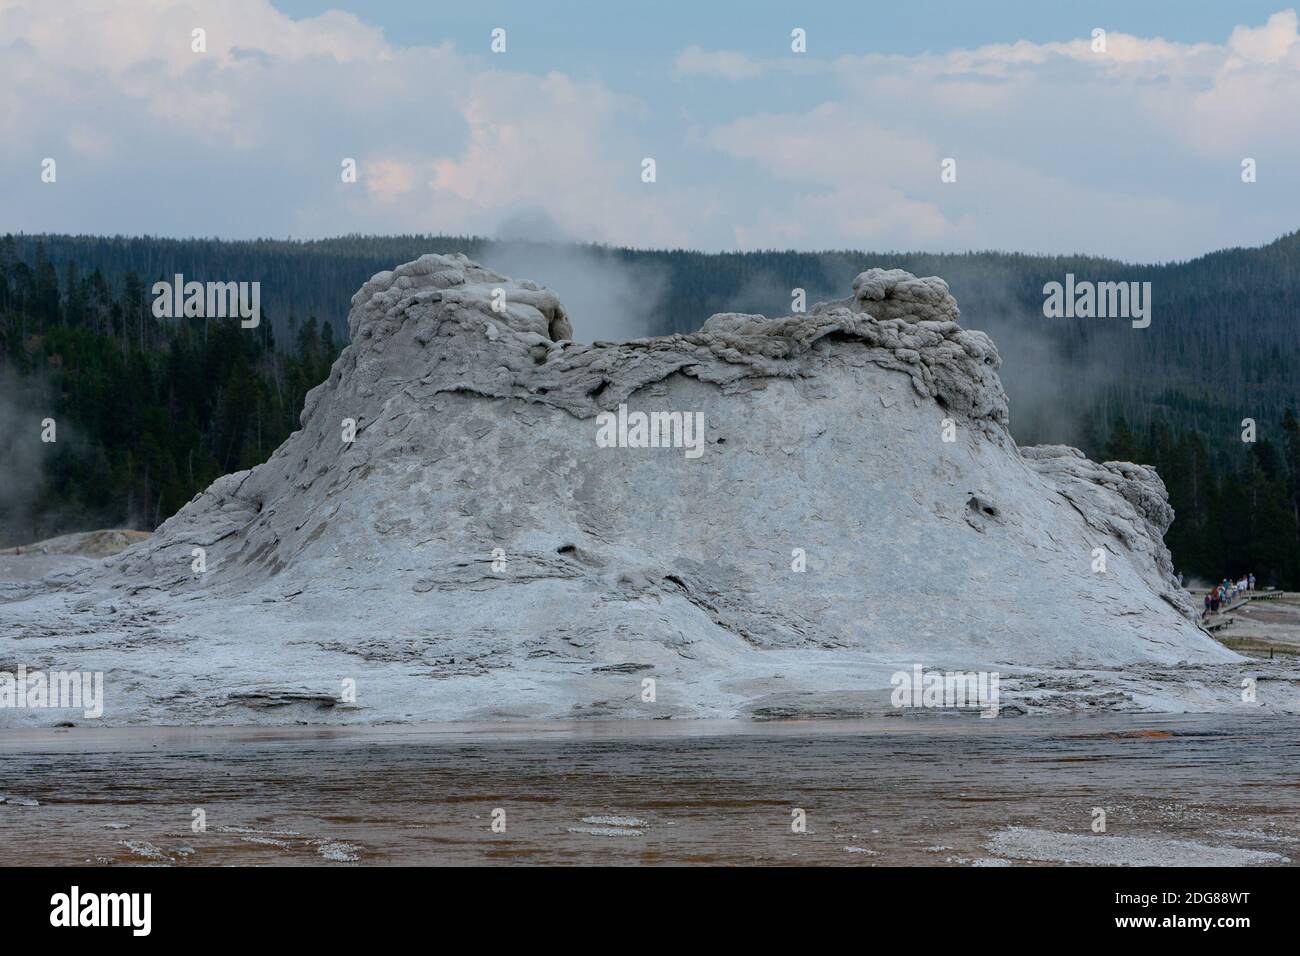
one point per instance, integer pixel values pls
(607, 299)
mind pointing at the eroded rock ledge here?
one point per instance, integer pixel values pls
(524, 351)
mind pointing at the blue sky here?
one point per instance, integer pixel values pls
(1133, 151)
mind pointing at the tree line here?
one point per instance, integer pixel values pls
(1222, 344)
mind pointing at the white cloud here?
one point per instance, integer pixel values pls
(1270, 43)
(1132, 152)
(443, 142)
(116, 36)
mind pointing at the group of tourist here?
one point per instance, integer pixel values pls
(1223, 594)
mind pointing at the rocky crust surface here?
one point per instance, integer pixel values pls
(473, 552)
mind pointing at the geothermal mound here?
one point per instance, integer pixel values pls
(766, 517)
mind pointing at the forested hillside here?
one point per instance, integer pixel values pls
(146, 411)
(149, 411)
(1236, 508)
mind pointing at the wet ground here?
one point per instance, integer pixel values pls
(926, 790)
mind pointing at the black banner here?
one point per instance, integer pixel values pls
(337, 905)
